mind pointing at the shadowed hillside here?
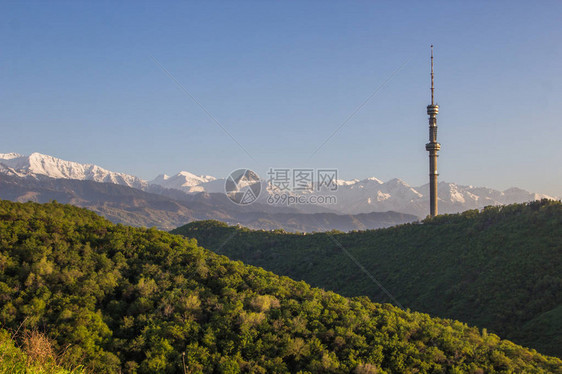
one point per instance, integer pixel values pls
(500, 268)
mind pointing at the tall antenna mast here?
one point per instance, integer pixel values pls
(432, 88)
(432, 147)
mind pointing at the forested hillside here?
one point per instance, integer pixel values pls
(499, 269)
(141, 300)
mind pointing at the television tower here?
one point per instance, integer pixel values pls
(432, 147)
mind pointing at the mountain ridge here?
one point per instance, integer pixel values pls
(169, 208)
(38, 164)
(352, 196)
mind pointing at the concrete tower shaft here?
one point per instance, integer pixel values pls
(433, 147)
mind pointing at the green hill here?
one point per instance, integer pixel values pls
(122, 299)
(499, 269)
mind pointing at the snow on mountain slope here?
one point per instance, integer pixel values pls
(352, 196)
(369, 195)
(182, 180)
(372, 195)
(37, 164)
(9, 156)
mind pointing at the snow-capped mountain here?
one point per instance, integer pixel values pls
(368, 195)
(372, 195)
(352, 196)
(188, 182)
(39, 165)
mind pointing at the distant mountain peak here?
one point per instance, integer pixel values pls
(9, 156)
(341, 182)
(397, 182)
(38, 164)
(182, 180)
(372, 180)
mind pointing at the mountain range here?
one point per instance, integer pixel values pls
(42, 177)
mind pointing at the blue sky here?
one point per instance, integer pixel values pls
(78, 80)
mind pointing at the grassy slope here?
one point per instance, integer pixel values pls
(142, 300)
(32, 360)
(500, 268)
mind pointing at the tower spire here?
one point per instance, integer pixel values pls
(432, 88)
(432, 147)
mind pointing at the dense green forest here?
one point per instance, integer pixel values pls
(122, 299)
(500, 268)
